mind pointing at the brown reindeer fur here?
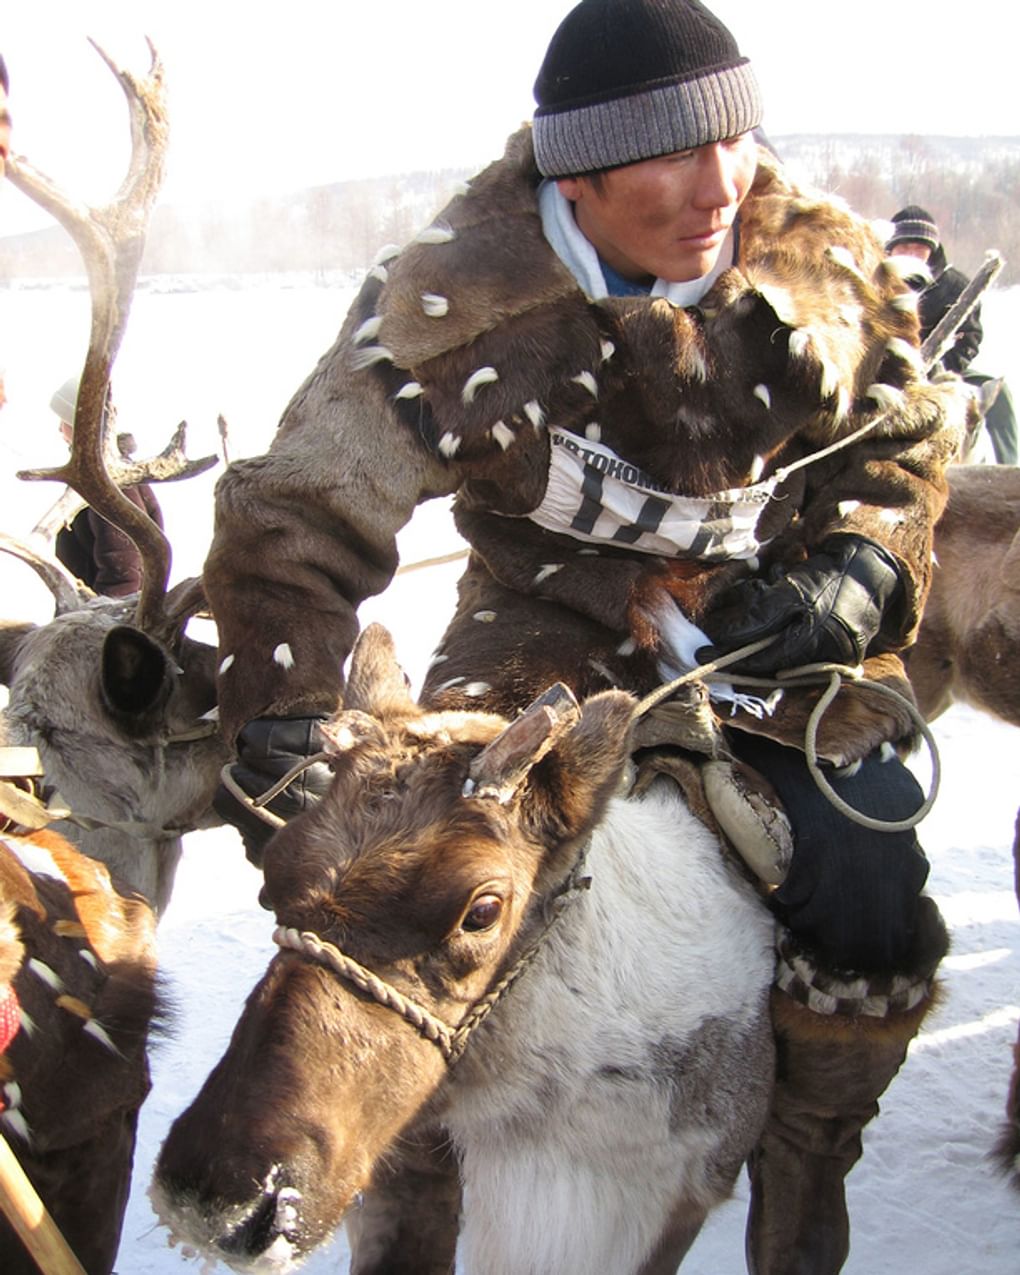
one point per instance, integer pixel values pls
(431, 815)
(968, 646)
(72, 1098)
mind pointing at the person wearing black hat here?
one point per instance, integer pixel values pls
(940, 285)
(916, 234)
(679, 402)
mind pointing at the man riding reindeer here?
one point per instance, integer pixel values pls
(629, 349)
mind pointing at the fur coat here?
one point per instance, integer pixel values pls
(468, 356)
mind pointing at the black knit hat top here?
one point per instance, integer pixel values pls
(626, 80)
(914, 224)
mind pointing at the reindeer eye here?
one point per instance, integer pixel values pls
(483, 913)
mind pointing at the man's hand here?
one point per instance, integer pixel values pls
(827, 610)
(267, 748)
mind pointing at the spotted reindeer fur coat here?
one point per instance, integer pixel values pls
(471, 355)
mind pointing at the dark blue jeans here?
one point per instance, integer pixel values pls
(852, 895)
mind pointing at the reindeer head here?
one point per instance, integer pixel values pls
(427, 868)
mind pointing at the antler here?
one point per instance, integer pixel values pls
(503, 765)
(111, 240)
(171, 465)
(68, 593)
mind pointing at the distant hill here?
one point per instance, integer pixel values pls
(970, 184)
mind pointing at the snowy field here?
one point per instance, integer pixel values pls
(924, 1197)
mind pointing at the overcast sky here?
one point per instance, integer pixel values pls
(268, 97)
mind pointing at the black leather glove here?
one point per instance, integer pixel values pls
(828, 609)
(267, 748)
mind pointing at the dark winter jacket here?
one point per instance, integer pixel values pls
(472, 361)
(101, 555)
(936, 300)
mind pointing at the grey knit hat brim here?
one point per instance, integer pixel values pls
(914, 231)
(711, 107)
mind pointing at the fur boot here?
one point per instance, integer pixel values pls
(831, 1070)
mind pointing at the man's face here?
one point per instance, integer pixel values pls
(5, 130)
(910, 248)
(668, 217)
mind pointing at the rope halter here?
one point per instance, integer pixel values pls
(450, 1041)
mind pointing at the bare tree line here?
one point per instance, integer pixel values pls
(971, 186)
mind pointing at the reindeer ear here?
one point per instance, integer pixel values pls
(565, 762)
(11, 636)
(568, 792)
(135, 671)
(376, 683)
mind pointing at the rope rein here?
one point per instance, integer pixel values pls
(450, 1041)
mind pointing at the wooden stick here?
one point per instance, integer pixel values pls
(34, 1226)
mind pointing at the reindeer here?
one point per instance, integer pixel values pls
(478, 929)
(80, 956)
(114, 696)
(968, 646)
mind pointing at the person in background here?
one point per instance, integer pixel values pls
(611, 347)
(916, 234)
(99, 554)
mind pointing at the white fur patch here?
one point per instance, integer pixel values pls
(484, 617)
(434, 305)
(45, 974)
(283, 656)
(763, 393)
(35, 859)
(503, 434)
(903, 350)
(891, 516)
(436, 234)
(369, 356)
(483, 376)
(800, 344)
(368, 330)
(99, 1033)
(476, 689)
(627, 647)
(905, 302)
(587, 382)
(757, 468)
(533, 411)
(454, 681)
(548, 569)
(386, 253)
(410, 389)
(449, 444)
(17, 1124)
(573, 1161)
(846, 507)
(888, 397)
(226, 663)
(844, 257)
(608, 349)
(593, 432)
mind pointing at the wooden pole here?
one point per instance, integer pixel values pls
(34, 1226)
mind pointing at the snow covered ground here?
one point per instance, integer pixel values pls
(924, 1197)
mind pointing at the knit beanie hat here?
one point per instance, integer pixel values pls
(626, 80)
(914, 225)
(65, 400)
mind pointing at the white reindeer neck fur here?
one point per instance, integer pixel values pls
(648, 999)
